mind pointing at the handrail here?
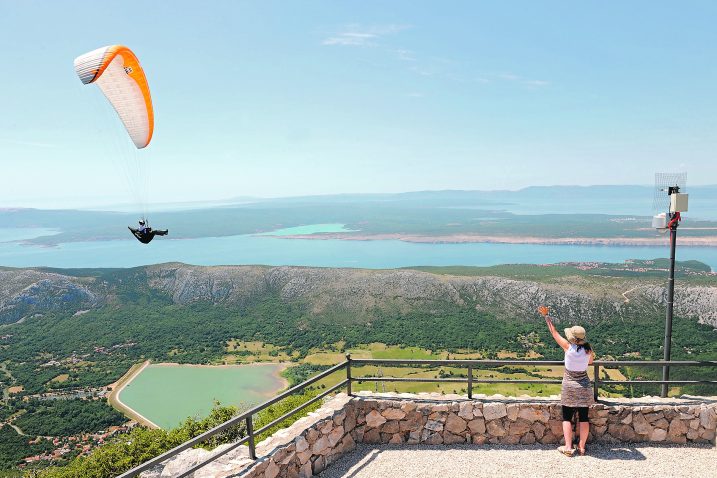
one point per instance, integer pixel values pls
(246, 416)
(470, 379)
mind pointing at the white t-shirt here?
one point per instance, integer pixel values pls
(576, 361)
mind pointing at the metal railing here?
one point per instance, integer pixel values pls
(471, 379)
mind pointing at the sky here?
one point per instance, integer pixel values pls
(284, 98)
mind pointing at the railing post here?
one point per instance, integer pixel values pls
(470, 382)
(596, 372)
(348, 374)
(250, 432)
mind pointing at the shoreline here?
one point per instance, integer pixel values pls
(117, 387)
(706, 241)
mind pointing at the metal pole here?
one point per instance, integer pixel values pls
(596, 373)
(670, 301)
(470, 381)
(250, 432)
(348, 374)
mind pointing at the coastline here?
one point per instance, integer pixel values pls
(134, 371)
(117, 388)
(686, 241)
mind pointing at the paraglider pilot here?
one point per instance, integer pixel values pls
(144, 233)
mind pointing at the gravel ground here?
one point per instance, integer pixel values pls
(604, 461)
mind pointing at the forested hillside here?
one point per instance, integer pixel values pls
(69, 333)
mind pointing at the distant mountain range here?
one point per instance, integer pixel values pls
(578, 293)
(551, 212)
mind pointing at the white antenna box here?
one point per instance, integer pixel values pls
(678, 202)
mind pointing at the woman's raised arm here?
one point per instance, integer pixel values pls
(564, 344)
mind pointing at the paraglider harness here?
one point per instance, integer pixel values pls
(144, 233)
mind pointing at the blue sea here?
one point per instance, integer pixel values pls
(262, 249)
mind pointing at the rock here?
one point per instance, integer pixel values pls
(465, 410)
(374, 419)
(396, 439)
(533, 414)
(321, 445)
(335, 436)
(350, 423)
(408, 406)
(305, 470)
(272, 470)
(538, 430)
(519, 427)
(394, 414)
(301, 444)
(318, 465)
(390, 427)
(478, 410)
(708, 418)
(326, 427)
(640, 425)
(284, 456)
(695, 424)
(676, 430)
(627, 420)
(304, 456)
(477, 425)
(623, 433)
(495, 428)
(600, 431)
(527, 439)
(454, 424)
(692, 434)
(512, 412)
(548, 439)
(414, 437)
(556, 427)
(412, 422)
(347, 444)
(492, 411)
(372, 436)
(434, 439)
(312, 435)
(708, 435)
(661, 423)
(434, 426)
(510, 440)
(658, 434)
(451, 438)
(479, 439)
(653, 417)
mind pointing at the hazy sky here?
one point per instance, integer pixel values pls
(277, 98)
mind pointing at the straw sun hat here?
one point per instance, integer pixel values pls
(575, 334)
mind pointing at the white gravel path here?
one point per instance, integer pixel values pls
(603, 461)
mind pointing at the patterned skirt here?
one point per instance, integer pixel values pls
(577, 390)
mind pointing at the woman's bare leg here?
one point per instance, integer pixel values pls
(568, 434)
(584, 430)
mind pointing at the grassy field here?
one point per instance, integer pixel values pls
(258, 351)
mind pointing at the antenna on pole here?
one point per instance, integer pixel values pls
(670, 200)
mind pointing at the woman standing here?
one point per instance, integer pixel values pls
(576, 394)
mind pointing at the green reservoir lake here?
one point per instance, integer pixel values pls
(166, 394)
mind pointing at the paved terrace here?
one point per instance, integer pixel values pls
(496, 461)
(436, 436)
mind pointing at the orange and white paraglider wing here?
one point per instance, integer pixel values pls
(117, 72)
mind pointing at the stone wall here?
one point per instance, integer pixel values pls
(311, 444)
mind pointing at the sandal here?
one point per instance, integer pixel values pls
(565, 451)
(581, 451)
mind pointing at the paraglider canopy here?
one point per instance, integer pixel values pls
(117, 72)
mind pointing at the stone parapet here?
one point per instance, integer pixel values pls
(312, 443)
